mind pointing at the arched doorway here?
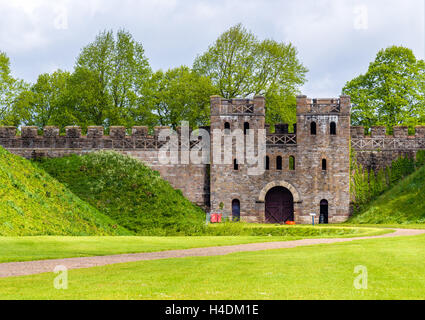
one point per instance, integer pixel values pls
(324, 212)
(279, 205)
(236, 210)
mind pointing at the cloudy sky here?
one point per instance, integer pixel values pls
(336, 39)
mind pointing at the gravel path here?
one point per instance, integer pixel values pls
(15, 269)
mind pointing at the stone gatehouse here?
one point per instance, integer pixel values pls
(306, 167)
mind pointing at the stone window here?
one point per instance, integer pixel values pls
(235, 165)
(291, 163)
(246, 128)
(279, 163)
(333, 129)
(267, 163)
(313, 128)
(227, 128)
(324, 165)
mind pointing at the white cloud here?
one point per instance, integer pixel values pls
(334, 41)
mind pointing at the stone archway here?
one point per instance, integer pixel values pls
(261, 201)
(284, 184)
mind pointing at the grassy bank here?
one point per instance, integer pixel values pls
(127, 191)
(33, 203)
(402, 204)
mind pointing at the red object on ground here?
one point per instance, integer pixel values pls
(214, 218)
(290, 223)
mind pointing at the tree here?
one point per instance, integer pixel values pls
(47, 101)
(111, 76)
(240, 65)
(10, 88)
(182, 95)
(391, 92)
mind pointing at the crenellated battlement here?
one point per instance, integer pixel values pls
(378, 139)
(221, 106)
(307, 105)
(358, 132)
(73, 138)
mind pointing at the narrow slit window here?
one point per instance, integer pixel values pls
(227, 128)
(279, 163)
(246, 128)
(235, 165)
(324, 165)
(313, 128)
(267, 163)
(333, 129)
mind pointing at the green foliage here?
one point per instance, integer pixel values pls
(10, 89)
(110, 82)
(240, 65)
(401, 168)
(366, 186)
(391, 92)
(128, 192)
(182, 95)
(249, 229)
(47, 101)
(33, 203)
(420, 158)
(404, 203)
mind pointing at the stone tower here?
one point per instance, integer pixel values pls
(229, 180)
(323, 161)
(306, 171)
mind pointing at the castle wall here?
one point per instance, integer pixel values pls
(192, 180)
(378, 150)
(210, 185)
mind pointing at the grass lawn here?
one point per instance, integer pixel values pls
(39, 248)
(395, 271)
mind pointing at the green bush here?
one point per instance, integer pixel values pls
(33, 203)
(420, 158)
(129, 192)
(248, 229)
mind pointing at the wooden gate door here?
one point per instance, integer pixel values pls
(279, 205)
